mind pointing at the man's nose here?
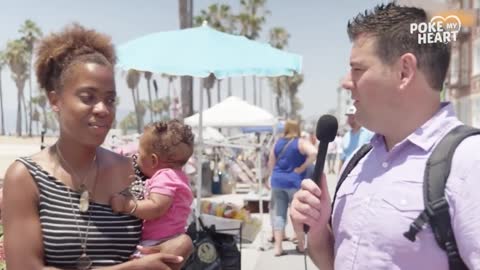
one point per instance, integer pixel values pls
(347, 82)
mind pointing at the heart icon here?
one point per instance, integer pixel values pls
(450, 23)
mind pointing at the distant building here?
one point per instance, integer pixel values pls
(462, 84)
(343, 102)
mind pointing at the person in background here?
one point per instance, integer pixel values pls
(332, 154)
(354, 138)
(288, 162)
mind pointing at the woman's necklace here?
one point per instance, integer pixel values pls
(83, 190)
(83, 262)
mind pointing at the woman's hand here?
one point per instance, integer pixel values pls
(299, 170)
(119, 203)
(157, 261)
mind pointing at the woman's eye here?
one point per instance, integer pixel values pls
(87, 98)
(111, 101)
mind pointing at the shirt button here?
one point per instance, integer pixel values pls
(355, 240)
(385, 164)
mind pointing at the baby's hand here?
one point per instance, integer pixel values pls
(118, 203)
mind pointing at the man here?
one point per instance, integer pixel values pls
(353, 139)
(395, 83)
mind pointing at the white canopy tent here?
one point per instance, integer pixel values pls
(233, 112)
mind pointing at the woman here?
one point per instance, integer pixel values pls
(56, 209)
(288, 162)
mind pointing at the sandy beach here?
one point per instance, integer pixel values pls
(12, 147)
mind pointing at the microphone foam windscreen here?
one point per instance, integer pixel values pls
(327, 127)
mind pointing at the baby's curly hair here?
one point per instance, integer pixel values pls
(58, 52)
(171, 140)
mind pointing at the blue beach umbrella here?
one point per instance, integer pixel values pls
(202, 51)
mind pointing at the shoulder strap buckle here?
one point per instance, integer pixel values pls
(439, 206)
(416, 226)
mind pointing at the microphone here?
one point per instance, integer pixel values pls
(326, 132)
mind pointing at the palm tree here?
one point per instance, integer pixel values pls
(3, 62)
(128, 122)
(41, 101)
(31, 33)
(133, 78)
(220, 18)
(17, 59)
(208, 84)
(170, 85)
(148, 77)
(278, 86)
(293, 83)
(186, 21)
(279, 39)
(251, 19)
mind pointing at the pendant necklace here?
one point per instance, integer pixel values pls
(84, 201)
(83, 262)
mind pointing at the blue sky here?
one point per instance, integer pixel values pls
(317, 29)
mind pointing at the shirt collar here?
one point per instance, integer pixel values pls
(431, 131)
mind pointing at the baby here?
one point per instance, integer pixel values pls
(164, 148)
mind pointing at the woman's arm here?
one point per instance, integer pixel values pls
(272, 159)
(308, 149)
(155, 206)
(21, 223)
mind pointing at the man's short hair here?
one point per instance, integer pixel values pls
(390, 25)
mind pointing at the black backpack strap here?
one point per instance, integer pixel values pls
(436, 210)
(351, 164)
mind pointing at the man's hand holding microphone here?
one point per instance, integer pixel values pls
(311, 206)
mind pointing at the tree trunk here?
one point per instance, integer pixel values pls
(277, 103)
(229, 87)
(186, 82)
(31, 94)
(254, 80)
(45, 124)
(137, 111)
(135, 105)
(278, 98)
(150, 100)
(293, 112)
(25, 110)
(219, 93)
(2, 112)
(285, 102)
(260, 91)
(19, 107)
(209, 97)
(244, 86)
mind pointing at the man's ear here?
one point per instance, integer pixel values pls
(154, 160)
(53, 99)
(408, 69)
